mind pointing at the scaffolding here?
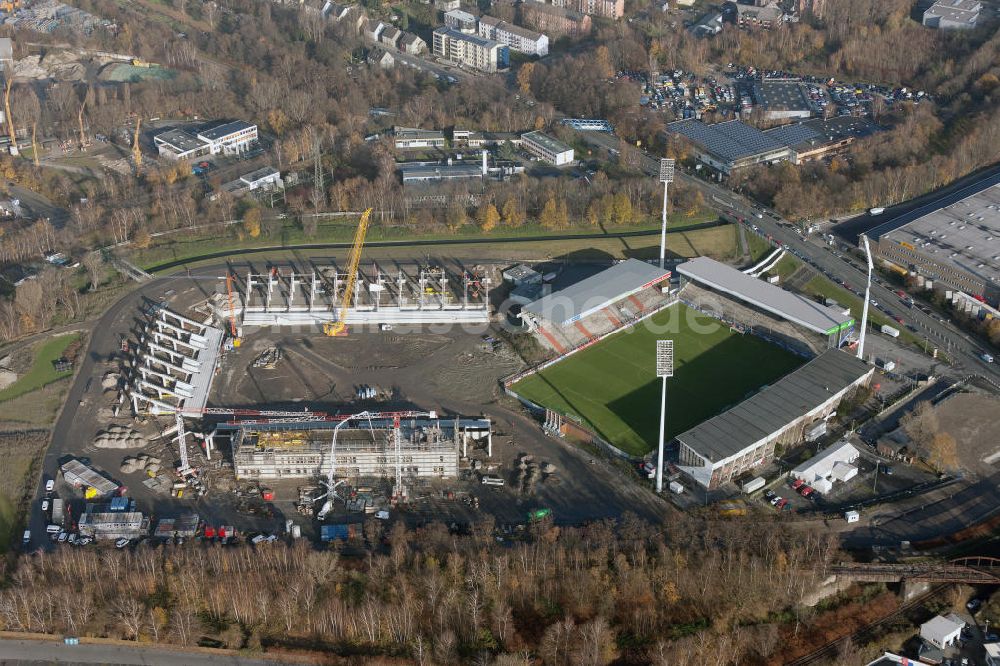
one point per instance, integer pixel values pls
(432, 295)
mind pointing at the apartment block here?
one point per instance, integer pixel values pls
(517, 38)
(471, 50)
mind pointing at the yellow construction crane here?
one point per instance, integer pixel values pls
(136, 152)
(339, 327)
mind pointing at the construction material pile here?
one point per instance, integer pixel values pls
(120, 437)
(149, 464)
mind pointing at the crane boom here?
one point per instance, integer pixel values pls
(340, 325)
(182, 443)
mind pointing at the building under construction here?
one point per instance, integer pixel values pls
(431, 295)
(377, 448)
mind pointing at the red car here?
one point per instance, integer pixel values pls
(781, 504)
(805, 491)
(797, 483)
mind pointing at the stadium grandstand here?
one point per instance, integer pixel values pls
(745, 436)
(591, 308)
(830, 323)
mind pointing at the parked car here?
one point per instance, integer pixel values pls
(27, 537)
(50, 485)
(775, 500)
(45, 505)
(974, 605)
(805, 491)
(121, 543)
(782, 504)
(797, 483)
(769, 495)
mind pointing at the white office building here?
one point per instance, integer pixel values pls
(471, 50)
(547, 148)
(517, 38)
(226, 139)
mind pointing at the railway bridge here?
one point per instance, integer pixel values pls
(974, 570)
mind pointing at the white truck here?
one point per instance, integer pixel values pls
(890, 331)
(676, 488)
(58, 511)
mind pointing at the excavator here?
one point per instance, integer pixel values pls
(339, 326)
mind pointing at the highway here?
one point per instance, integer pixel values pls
(52, 652)
(958, 345)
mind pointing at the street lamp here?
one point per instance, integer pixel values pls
(664, 369)
(666, 177)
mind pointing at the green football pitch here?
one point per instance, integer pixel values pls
(612, 387)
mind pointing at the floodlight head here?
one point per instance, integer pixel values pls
(664, 358)
(666, 170)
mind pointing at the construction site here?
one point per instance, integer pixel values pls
(305, 397)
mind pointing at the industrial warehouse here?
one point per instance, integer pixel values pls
(951, 248)
(745, 436)
(416, 447)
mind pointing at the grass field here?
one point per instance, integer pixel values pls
(41, 371)
(613, 389)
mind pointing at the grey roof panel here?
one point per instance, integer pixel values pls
(797, 309)
(598, 291)
(775, 406)
(731, 140)
(225, 130)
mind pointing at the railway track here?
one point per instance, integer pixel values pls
(828, 653)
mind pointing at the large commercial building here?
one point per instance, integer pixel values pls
(816, 138)
(547, 148)
(471, 50)
(517, 38)
(745, 436)
(953, 14)
(731, 145)
(555, 20)
(428, 448)
(956, 247)
(782, 99)
(226, 139)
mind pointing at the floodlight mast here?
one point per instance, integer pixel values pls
(664, 369)
(666, 177)
(868, 296)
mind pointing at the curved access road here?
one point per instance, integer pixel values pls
(20, 651)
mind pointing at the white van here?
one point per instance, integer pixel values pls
(53, 529)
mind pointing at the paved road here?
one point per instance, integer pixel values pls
(49, 652)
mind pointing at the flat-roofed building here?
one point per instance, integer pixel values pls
(100, 521)
(414, 137)
(955, 247)
(471, 50)
(547, 148)
(227, 139)
(731, 145)
(460, 20)
(816, 138)
(612, 9)
(427, 173)
(78, 475)
(744, 437)
(517, 38)
(953, 14)
(782, 100)
(555, 20)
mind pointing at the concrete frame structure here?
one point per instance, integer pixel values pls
(174, 364)
(744, 437)
(434, 296)
(424, 448)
